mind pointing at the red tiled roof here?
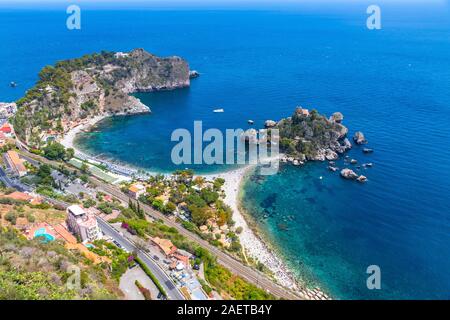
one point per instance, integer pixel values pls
(6, 128)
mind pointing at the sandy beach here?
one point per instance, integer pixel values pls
(253, 245)
(69, 136)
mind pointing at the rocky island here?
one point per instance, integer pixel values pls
(99, 84)
(311, 136)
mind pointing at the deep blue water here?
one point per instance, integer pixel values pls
(393, 84)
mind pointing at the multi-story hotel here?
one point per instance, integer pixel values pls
(82, 223)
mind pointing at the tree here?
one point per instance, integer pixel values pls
(209, 195)
(44, 175)
(11, 217)
(84, 167)
(200, 214)
(54, 151)
(70, 153)
(170, 207)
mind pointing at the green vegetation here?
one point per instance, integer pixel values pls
(151, 276)
(217, 276)
(56, 151)
(120, 259)
(303, 135)
(54, 101)
(52, 94)
(32, 270)
(145, 292)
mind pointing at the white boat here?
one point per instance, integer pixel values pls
(218, 110)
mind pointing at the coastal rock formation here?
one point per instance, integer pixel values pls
(194, 74)
(359, 138)
(97, 84)
(348, 174)
(250, 135)
(308, 135)
(361, 179)
(337, 117)
(270, 124)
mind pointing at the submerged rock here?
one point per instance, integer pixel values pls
(362, 178)
(348, 174)
(194, 74)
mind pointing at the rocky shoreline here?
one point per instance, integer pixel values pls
(94, 85)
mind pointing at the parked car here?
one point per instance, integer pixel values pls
(156, 258)
(196, 267)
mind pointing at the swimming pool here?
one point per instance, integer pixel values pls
(42, 233)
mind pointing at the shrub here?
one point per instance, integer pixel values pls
(11, 217)
(145, 292)
(151, 276)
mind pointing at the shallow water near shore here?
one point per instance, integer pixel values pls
(392, 84)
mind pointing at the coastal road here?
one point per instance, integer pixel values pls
(10, 183)
(235, 266)
(165, 281)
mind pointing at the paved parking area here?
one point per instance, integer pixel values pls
(129, 288)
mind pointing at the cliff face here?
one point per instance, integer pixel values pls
(95, 84)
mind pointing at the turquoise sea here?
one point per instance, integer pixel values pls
(393, 84)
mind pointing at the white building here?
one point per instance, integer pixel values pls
(82, 224)
(7, 109)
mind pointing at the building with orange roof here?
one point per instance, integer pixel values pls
(96, 259)
(21, 196)
(15, 163)
(136, 190)
(165, 245)
(65, 234)
(182, 259)
(6, 128)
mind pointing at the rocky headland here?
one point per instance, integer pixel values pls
(99, 84)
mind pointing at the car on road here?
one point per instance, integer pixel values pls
(161, 296)
(155, 257)
(117, 244)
